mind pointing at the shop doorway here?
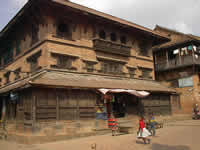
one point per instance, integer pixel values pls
(125, 104)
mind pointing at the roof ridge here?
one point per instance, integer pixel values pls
(169, 29)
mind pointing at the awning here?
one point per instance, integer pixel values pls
(140, 94)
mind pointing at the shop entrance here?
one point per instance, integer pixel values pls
(124, 104)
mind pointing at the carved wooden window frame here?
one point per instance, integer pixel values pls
(132, 71)
(111, 67)
(90, 65)
(67, 30)
(7, 76)
(146, 73)
(64, 61)
(102, 34)
(34, 33)
(17, 73)
(33, 61)
(123, 39)
(113, 37)
(143, 48)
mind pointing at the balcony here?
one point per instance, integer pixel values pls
(176, 63)
(111, 47)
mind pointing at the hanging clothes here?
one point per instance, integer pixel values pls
(190, 48)
(195, 48)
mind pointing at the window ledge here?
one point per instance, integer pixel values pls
(111, 59)
(63, 53)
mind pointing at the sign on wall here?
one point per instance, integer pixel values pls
(185, 82)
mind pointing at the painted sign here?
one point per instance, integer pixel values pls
(185, 82)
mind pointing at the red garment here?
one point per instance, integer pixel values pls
(142, 124)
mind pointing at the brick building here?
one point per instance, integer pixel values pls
(56, 55)
(177, 65)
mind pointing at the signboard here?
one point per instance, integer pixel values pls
(185, 82)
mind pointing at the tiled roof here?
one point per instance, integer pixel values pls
(89, 11)
(76, 80)
(65, 79)
(107, 16)
(180, 39)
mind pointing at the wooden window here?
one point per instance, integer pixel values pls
(113, 37)
(146, 73)
(63, 61)
(17, 73)
(34, 33)
(8, 55)
(7, 77)
(18, 47)
(174, 83)
(144, 48)
(89, 66)
(123, 39)
(102, 34)
(33, 61)
(175, 101)
(132, 72)
(111, 67)
(63, 31)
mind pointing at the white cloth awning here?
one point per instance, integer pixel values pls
(133, 92)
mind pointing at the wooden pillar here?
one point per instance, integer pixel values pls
(155, 58)
(193, 60)
(78, 114)
(57, 107)
(167, 58)
(3, 118)
(34, 112)
(193, 55)
(179, 54)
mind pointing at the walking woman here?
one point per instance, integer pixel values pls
(143, 133)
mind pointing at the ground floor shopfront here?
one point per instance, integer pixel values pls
(54, 110)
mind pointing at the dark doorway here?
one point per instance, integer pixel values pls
(125, 104)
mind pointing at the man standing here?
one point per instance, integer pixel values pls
(152, 124)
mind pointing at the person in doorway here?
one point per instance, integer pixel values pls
(152, 125)
(196, 113)
(112, 123)
(143, 133)
(196, 109)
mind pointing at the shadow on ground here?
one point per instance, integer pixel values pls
(168, 147)
(139, 142)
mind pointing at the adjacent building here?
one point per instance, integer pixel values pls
(177, 65)
(56, 55)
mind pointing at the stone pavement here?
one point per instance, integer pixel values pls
(180, 135)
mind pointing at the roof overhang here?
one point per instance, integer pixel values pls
(15, 18)
(159, 38)
(177, 45)
(62, 79)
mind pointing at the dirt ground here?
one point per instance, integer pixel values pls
(181, 135)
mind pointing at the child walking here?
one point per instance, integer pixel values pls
(143, 133)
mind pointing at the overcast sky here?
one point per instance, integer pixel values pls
(181, 15)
